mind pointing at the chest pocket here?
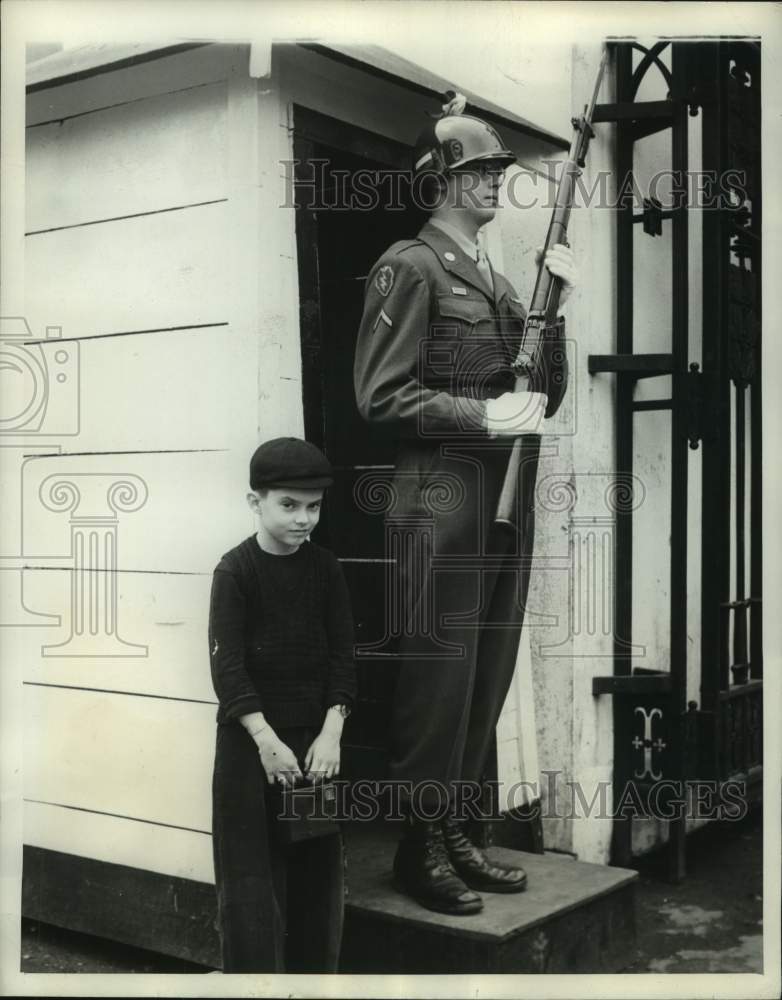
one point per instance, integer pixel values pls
(478, 352)
(462, 311)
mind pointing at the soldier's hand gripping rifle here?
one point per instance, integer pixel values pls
(542, 313)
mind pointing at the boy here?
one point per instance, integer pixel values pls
(281, 651)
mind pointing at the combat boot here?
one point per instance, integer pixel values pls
(474, 867)
(422, 870)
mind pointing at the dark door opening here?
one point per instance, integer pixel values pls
(350, 206)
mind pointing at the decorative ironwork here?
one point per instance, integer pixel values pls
(650, 743)
(651, 57)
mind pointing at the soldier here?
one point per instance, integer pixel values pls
(439, 333)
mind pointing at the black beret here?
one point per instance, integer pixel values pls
(290, 462)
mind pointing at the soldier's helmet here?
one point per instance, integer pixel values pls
(456, 140)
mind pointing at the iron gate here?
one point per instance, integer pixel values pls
(661, 735)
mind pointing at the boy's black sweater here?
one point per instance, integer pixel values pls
(280, 635)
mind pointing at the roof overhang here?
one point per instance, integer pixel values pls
(85, 61)
(389, 66)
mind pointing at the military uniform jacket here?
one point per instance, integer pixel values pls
(434, 343)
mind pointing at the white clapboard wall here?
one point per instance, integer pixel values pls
(153, 243)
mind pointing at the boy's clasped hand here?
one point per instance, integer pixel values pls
(280, 764)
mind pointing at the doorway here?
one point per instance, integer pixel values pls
(351, 204)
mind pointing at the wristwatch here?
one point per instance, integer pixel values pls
(343, 710)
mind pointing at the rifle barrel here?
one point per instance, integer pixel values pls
(545, 296)
(598, 82)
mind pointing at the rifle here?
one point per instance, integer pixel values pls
(545, 297)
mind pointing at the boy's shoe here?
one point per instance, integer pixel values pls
(423, 870)
(474, 867)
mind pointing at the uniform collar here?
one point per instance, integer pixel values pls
(453, 257)
(463, 242)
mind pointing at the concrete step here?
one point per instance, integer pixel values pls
(573, 917)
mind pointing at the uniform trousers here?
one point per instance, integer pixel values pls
(462, 583)
(280, 908)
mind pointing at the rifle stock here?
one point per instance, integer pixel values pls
(511, 489)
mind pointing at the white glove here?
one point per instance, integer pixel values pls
(561, 262)
(515, 413)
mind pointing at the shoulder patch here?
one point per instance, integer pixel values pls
(384, 280)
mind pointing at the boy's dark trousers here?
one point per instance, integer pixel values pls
(280, 909)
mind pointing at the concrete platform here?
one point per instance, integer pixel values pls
(573, 917)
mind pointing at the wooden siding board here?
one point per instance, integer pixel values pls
(176, 73)
(152, 272)
(165, 391)
(166, 850)
(166, 613)
(141, 758)
(138, 157)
